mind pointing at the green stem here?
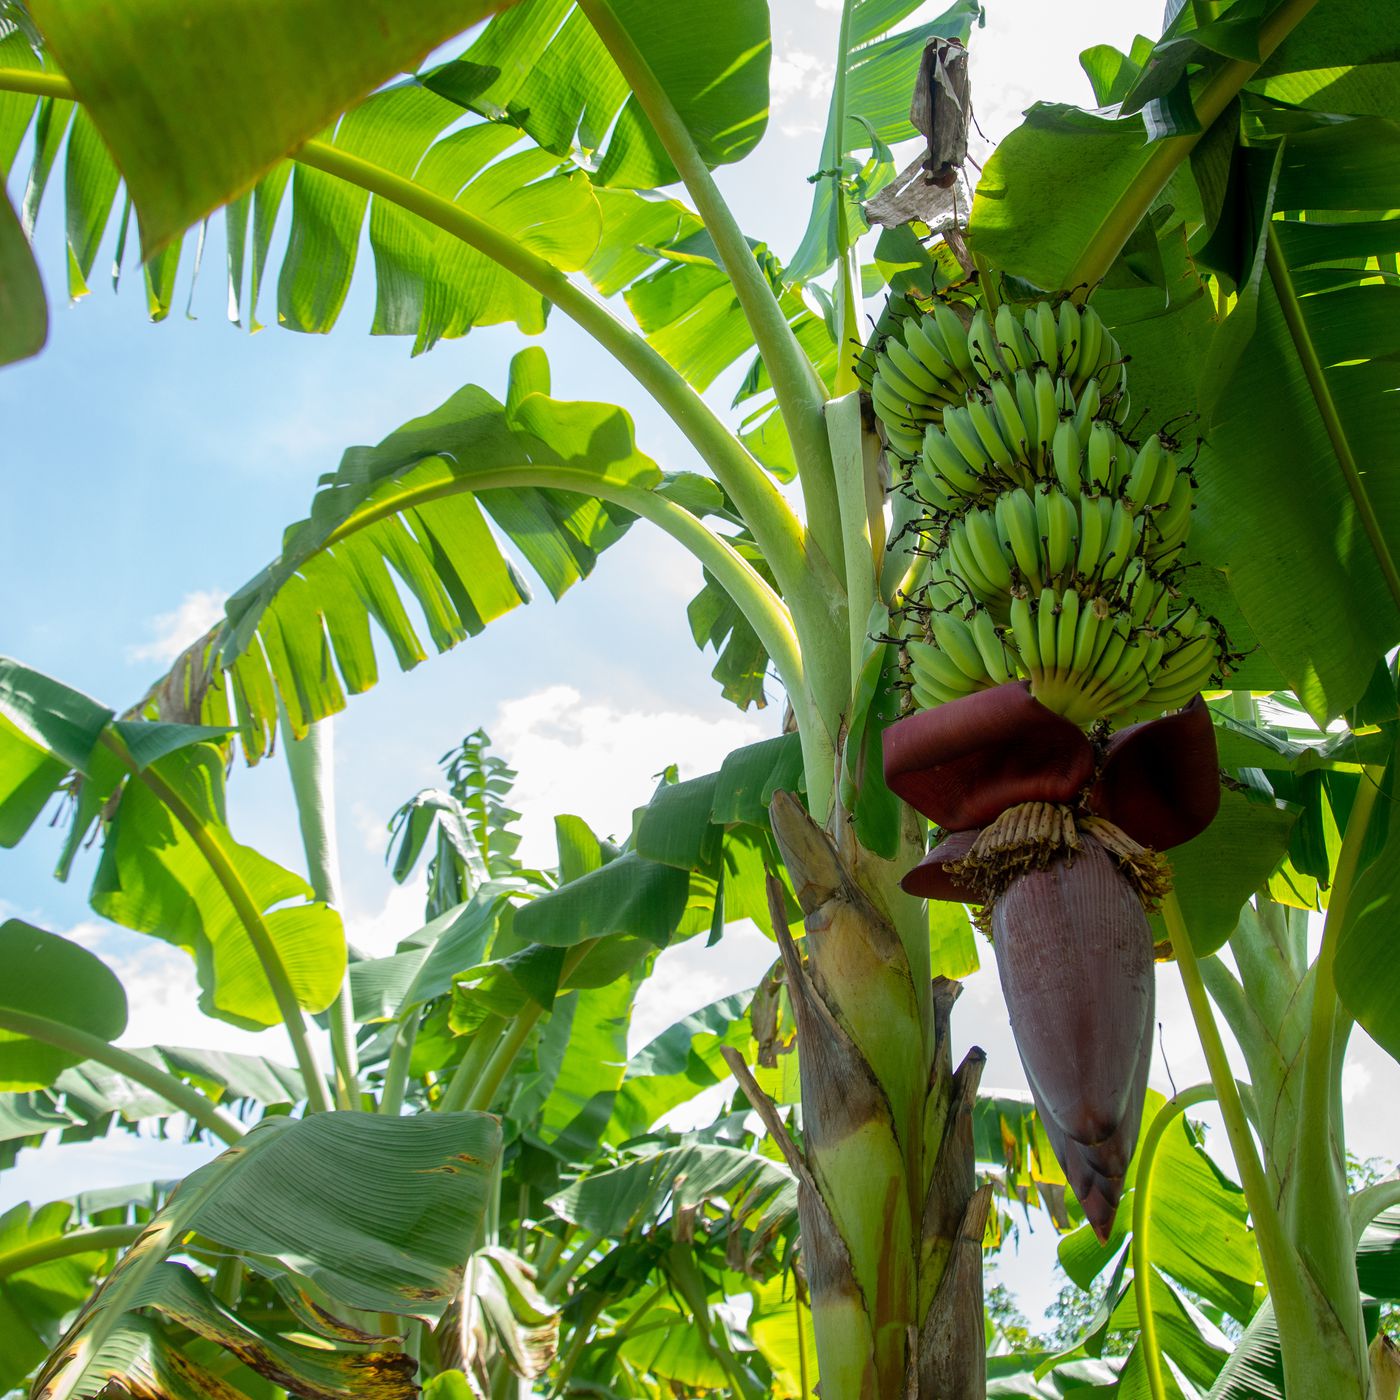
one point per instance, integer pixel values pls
(799, 391)
(549, 1253)
(311, 764)
(1369, 1202)
(1219, 90)
(554, 1290)
(499, 1065)
(1318, 1176)
(1142, 1222)
(804, 1381)
(468, 1071)
(249, 915)
(396, 1072)
(522, 1023)
(1280, 1262)
(175, 1091)
(101, 1237)
(843, 426)
(1292, 309)
(848, 268)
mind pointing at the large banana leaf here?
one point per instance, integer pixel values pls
(1295, 387)
(869, 110)
(24, 310)
(195, 113)
(1063, 193)
(631, 1198)
(47, 978)
(543, 67)
(169, 865)
(91, 1100)
(370, 1212)
(684, 1060)
(35, 1297)
(1301, 382)
(301, 629)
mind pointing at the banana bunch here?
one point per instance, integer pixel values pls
(1031, 539)
(932, 363)
(958, 656)
(1086, 658)
(1052, 538)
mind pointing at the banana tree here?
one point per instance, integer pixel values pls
(504, 181)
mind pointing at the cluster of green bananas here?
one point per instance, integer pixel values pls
(1084, 657)
(1053, 540)
(1030, 538)
(932, 363)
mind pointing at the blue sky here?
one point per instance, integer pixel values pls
(152, 468)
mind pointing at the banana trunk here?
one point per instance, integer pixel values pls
(892, 1219)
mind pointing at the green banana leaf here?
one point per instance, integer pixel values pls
(542, 67)
(24, 310)
(410, 505)
(35, 1297)
(194, 114)
(374, 1213)
(169, 865)
(51, 979)
(628, 1199)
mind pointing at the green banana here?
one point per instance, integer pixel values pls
(1066, 630)
(981, 530)
(928, 663)
(1016, 350)
(955, 345)
(954, 636)
(1047, 611)
(1174, 519)
(1068, 338)
(1091, 330)
(1068, 455)
(916, 372)
(989, 645)
(957, 423)
(1142, 479)
(1016, 520)
(924, 342)
(982, 343)
(943, 459)
(1013, 425)
(1047, 415)
(1092, 616)
(984, 421)
(1023, 633)
(1093, 526)
(1099, 457)
(964, 560)
(1062, 526)
(1118, 544)
(1041, 328)
(899, 384)
(1086, 407)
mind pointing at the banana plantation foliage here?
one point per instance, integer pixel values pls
(1057, 507)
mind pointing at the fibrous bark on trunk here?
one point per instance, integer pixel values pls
(892, 1218)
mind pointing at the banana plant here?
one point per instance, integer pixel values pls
(1206, 208)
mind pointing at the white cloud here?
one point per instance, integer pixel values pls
(1356, 1079)
(378, 934)
(174, 631)
(796, 74)
(596, 761)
